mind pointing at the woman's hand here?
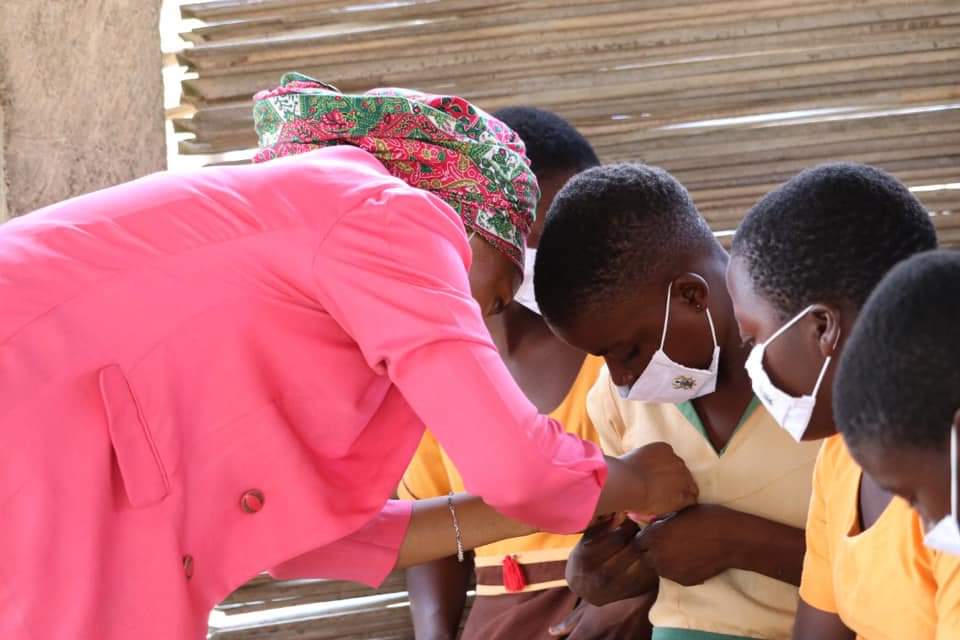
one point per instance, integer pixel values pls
(651, 480)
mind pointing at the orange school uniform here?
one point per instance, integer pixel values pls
(882, 582)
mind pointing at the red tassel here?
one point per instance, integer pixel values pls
(513, 578)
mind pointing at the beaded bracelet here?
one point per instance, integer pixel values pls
(456, 527)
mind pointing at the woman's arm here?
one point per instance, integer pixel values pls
(393, 274)
(432, 535)
(404, 534)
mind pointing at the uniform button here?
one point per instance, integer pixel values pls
(188, 566)
(252, 501)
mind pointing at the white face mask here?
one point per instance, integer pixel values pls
(945, 535)
(667, 381)
(525, 295)
(791, 413)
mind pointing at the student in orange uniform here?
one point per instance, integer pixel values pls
(520, 583)
(804, 261)
(897, 402)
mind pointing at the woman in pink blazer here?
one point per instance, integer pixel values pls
(208, 374)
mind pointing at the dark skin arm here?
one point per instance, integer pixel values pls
(704, 540)
(606, 566)
(628, 618)
(438, 592)
(612, 562)
(814, 624)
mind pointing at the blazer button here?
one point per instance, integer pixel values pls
(188, 566)
(252, 501)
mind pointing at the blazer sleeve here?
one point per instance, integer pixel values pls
(393, 272)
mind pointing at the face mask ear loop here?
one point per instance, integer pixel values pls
(666, 318)
(953, 471)
(826, 363)
(793, 321)
(713, 331)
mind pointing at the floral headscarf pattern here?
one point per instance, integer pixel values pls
(442, 144)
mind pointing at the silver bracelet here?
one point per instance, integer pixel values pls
(456, 527)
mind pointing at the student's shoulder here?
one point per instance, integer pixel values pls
(835, 468)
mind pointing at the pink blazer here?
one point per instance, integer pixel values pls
(204, 375)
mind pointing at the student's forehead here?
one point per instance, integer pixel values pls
(737, 279)
(617, 325)
(749, 305)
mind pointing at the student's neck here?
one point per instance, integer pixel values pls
(721, 411)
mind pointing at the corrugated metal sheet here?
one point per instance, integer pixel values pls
(732, 96)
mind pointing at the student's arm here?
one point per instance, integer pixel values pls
(606, 565)
(438, 589)
(814, 624)
(628, 618)
(438, 593)
(700, 542)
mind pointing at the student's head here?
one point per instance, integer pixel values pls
(615, 238)
(811, 251)
(897, 393)
(557, 151)
(441, 144)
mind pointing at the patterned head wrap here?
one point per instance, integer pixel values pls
(442, 144)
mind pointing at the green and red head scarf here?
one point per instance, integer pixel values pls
(442, 144)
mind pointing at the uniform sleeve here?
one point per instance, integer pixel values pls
(367, 556)
(816, 584)
(426, 477)
(393, 274)
(946, 570)
(606, 418)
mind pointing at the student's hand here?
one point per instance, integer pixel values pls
(624, 619)
(606, 565)
(691, 546)
(669, 485)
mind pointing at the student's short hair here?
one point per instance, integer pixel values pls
(898, 382)
(609, 230)
(829, 235)
(553, 144)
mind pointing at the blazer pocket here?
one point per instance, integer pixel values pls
(144, 477)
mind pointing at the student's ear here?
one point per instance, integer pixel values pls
(693, 289)
(827, 328)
